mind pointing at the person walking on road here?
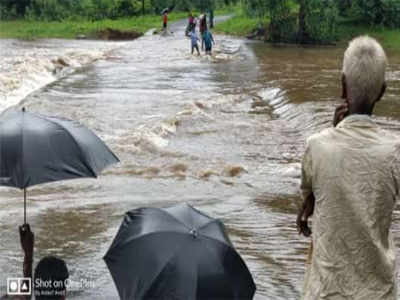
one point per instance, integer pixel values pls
(211, 18)
(191, 24)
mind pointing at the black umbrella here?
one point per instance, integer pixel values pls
(176, 253)
(36, 149)
(168, 9)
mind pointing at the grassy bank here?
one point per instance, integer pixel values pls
(71, 29)
(243, 25)
(240, 25)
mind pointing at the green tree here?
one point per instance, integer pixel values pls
(95, 9)
(371, 10)
(378, 12)
(315, 20)
(320, 20)
(15, 8)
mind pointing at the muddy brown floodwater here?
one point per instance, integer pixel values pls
(225, 135)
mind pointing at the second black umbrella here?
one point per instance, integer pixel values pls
(176, 253)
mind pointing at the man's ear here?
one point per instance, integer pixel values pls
(344, 87)
(383, 90)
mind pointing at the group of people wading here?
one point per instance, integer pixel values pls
(206, 37)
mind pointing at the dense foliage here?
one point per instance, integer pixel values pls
(378, 12)
(186, 5)
(63, 9)
(321, 19)
(316, 20)
(301, 20)
(96, 9)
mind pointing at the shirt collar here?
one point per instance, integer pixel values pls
(357, 120)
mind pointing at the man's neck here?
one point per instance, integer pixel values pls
(359, 107)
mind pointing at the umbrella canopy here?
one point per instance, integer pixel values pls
(176, 253)
(36, 149)
(168, 9)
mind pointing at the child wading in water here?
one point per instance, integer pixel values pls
(193, 39)
(208, 40)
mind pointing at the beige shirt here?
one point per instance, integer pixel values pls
(353, 171)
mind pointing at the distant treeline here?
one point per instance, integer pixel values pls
(311, 21)
(97, 9)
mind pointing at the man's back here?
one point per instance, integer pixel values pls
(353, 172)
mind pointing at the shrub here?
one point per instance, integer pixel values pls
(378, 12)
(391, 17)
(321, 20)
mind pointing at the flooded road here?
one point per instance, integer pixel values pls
(225, 135)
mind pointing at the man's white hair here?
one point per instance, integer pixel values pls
(364, 66)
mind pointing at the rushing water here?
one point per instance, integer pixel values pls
(224, 134)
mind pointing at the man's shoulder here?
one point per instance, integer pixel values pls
(389, 135)
(381, 136)
(320, 136)
(388, 138)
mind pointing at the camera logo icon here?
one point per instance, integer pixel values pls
(19, 286)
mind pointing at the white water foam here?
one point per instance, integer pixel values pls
(26, 69)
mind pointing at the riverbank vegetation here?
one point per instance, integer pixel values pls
(30, 19)
(93, 10)
(291, 21)
(240, 24)
(316, 21)
(389, 38)
(69, 29)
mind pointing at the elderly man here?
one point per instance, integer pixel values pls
(350, 179)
